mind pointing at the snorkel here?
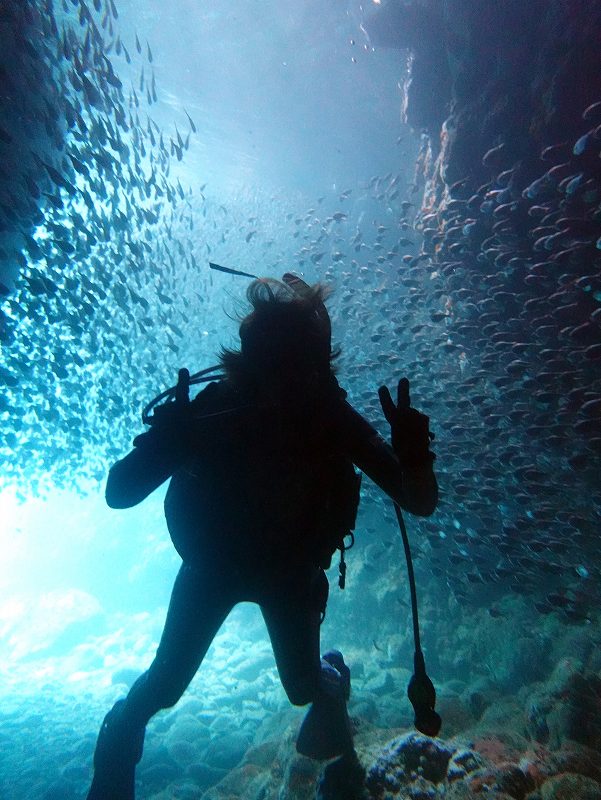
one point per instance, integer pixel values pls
(420, 691)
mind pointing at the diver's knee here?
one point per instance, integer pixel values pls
(169, 696)
(332, 678)
(301, 698)
(161, 693)
(302, 692)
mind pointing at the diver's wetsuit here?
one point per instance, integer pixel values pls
(261, 496)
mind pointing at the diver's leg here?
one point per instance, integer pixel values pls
(292, 614)
(200, 602)
(199, 605)
(293, 619)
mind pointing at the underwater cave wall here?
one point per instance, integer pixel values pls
(509, 75)
(519, 76)
(511, 220)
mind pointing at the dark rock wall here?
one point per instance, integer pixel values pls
(490, 73)
(511, 224)
(522, 78)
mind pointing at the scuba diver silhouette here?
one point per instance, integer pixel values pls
(263, 491)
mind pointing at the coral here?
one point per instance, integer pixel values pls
(405, 759)
(462, 763)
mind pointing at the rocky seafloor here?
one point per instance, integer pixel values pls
(521, 710)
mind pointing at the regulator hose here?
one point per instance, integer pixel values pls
(176, 393)
(421, 692)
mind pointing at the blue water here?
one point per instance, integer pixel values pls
(297, 119)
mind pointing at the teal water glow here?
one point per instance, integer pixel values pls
(299, 161)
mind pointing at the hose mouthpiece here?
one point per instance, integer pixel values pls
(422, 697)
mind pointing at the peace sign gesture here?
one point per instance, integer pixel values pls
(410, 431)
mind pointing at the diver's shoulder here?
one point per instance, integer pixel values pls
(216, 397)
(214, 390)
(335, 389)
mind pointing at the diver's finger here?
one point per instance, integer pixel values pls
(182, 390)
(403, 399)
(387, 404)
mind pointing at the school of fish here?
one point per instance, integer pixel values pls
(489, 302)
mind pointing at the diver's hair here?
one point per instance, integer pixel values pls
(266, 291)
(274, 304)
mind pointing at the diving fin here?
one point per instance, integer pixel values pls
(325, 732)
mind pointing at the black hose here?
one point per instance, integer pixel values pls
(420, 691)
(411, 576)
(204, 376)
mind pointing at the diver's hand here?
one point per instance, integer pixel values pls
(170, 415)
(172, 419)
(410, 429)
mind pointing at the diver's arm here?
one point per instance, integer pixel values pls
(159, 451)
(414, 489)
(149, 464)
